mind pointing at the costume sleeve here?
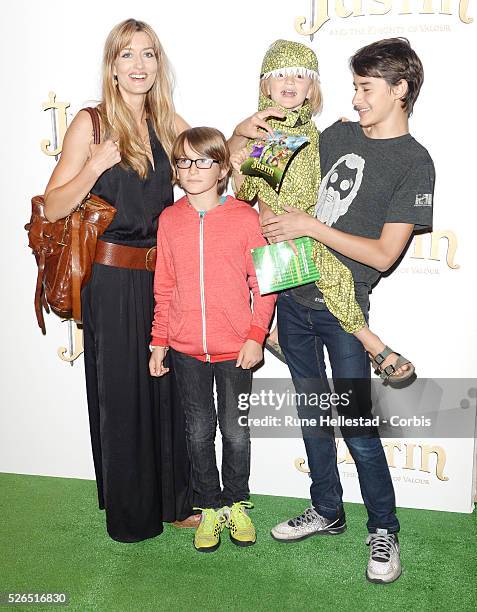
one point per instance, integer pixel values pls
(412, 201)
(263, 305)
(255, 187)
(164, 283)
(249, 189)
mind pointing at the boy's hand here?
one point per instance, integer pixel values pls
(237, 159)
(156, 367)
(250, 354)
(267, 214)
(295, 224)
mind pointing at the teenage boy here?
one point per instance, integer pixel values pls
(377, 187)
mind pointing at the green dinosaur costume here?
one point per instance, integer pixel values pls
(302, 180)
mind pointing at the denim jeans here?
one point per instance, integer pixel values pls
(303, 334)
(196, 384)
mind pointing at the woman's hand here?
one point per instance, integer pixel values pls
(237, 159)
(294, 224)
(103, 156)
(250, 354)
(252, 126)
(156, 367)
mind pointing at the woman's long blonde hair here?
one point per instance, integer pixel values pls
(116, 118)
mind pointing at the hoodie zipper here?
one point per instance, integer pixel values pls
(202, 287)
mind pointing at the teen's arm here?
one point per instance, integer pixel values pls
(251, 128)
(378, 253)
(164, 283)
(80, 165)
(410, 206)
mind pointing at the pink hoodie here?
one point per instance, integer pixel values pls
(204, 274)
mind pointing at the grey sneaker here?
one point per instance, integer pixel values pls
(384, 563)
(307, 524)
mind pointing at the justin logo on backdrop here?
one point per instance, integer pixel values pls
(433, 251)
(58, 125)
(323, 11)
(406, 458)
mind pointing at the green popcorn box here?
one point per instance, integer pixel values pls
(278, 268)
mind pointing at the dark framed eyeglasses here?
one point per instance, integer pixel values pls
(203, 164)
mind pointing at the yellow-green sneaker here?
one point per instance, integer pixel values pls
(242, 531)
(207, 534)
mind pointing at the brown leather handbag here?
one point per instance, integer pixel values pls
(64, 250)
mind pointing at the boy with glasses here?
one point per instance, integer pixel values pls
(204, 276)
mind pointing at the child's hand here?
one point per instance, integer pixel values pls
(252, 126)
(156, 367)
(250, 354)
(237, 159)
(265, 212)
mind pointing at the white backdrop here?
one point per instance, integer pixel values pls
(425, 309)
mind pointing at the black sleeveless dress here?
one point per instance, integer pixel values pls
(136, 421)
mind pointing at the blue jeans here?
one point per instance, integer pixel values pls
(196, 384)
(303, 334)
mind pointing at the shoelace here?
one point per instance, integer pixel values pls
(308, 516)
(208, 514)
(243, 506)
(381, 546)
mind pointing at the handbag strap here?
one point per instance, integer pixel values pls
(75, 266)
(39, 291)
(94, 114)
(75, 232)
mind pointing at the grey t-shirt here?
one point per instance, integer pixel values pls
(367, 183)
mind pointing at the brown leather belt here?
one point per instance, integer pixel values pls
(121, 256)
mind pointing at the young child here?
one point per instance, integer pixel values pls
(204, 275)
(289, 82)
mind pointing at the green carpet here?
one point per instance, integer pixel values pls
(53, 539)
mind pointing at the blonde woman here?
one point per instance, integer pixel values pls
(137, 428)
